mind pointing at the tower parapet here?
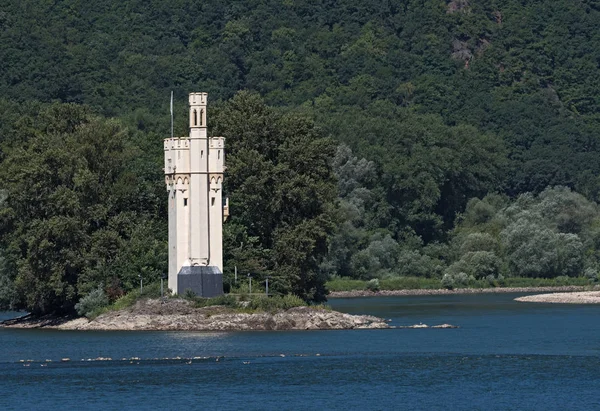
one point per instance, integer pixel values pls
(194, 168)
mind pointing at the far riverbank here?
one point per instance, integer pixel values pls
(496, 290)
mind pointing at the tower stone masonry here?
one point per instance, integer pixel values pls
(194, 168)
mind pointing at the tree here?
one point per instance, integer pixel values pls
(281, 189)
(76, 214)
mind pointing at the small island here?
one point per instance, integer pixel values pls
(176, 314)
(583, 297)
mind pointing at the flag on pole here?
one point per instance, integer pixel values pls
(171, 113)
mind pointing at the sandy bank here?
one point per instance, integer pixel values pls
(585, 297)
(180, 315)
(390, 293)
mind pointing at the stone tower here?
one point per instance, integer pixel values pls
(194, 169)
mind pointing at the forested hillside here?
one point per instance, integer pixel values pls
(421, 106)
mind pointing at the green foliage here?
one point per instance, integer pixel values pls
(78, 212)
(275, 303)
(436, 105)
(257, 303)
(92, 303)
(8, 293)
(448, 281)
(226, 300)
(549, 235)
(345, 284)
(544, 282)
(592, 275)
(151, 291)
(281, 186)
(409, 283)
(189, 294)
(392, 283)
(476, 264)
(373, 285)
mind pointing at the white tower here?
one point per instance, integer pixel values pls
(194, 169)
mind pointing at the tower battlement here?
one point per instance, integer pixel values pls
(176, 143)
(217, 142)
(198, 99)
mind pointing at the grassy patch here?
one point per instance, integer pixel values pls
(346, 284)
(128, 300)
(240, 303)
(418, 283)
(226, 300)
(409, 283)
(545, 282)
(252, 303)
(399, 283)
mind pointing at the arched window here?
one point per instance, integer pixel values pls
(201, 117)
(195, 116)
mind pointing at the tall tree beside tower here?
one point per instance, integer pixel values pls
(282, 190)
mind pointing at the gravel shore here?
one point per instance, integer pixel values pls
(585, 297)
(389, 293)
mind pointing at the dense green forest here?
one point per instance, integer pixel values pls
(454, 140)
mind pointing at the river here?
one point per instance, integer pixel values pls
(505, 355)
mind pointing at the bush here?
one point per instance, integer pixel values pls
(414, 263)
(275, 303)
(227, 300)
(479, 264)
(478, 242)
(8, 293)
(188, 294)
(448, 281)
(92, 303)
(591, 274)
(373, 285)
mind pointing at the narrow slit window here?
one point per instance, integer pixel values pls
(219, 154)
(185, 202)
(201, 117)
(212, 201)
(195, 115)
(201, 153)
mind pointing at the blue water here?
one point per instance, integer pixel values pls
(505, 355)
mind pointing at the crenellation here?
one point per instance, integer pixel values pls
(217, 142)
(176, 143)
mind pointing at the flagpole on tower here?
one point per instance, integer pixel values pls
(171, 113)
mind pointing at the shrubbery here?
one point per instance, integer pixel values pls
(92, 303)
(373, 285)
(275, 303)
(227, 300)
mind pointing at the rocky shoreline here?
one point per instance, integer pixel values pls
(585, 297)
(391, 293)
(180, 315)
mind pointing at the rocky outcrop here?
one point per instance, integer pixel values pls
(180, 315)
(421, 325)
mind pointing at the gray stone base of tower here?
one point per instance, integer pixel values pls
(204, 281)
